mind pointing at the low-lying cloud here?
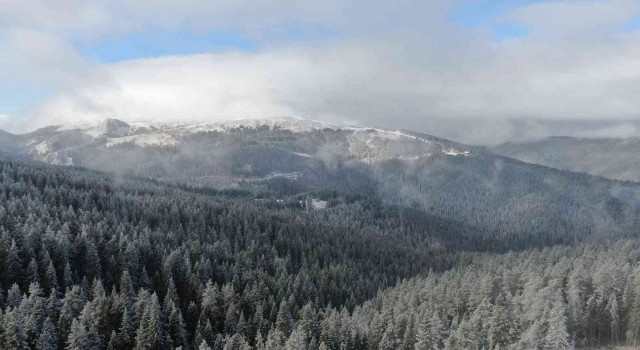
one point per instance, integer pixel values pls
(427, 75)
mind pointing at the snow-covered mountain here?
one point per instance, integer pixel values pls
(62, 144)
(290, 156)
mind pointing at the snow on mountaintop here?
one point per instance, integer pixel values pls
(115, 128)
(293, 124)
(365, 142)
(108, 127)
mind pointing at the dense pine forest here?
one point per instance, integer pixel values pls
(94, 261)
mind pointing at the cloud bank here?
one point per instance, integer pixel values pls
(579, 65)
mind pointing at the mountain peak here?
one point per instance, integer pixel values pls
(109, 128)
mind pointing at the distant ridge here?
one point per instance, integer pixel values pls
(614, 158)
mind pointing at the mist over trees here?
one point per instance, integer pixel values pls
(501, 198)
(162, 267)
(442, 252)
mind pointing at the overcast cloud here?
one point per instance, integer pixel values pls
(403, 64)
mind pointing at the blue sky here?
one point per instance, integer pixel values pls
(489, 14)
(154, 44)
(468, 15)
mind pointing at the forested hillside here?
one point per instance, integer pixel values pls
(614, 158)
(98, 261)
(553, 298)
(509, 200)
(504, 200)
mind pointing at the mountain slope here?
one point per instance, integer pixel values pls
(112, 248)
(536, 299)
(509, 203)
(612, 158)
(299, 137)
(188, 267)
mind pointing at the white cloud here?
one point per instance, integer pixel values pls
(40, 59)
(393, 65)
(368, 83)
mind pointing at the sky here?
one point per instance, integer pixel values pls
(476, 71)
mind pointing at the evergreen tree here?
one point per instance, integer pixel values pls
(78, 338)
(633, 328)
(150, 334)
(204, 346)
(423, 336)
(283, 320)
(614, 314)
(557, 337)
(48, 339)
(437, 331)
(297, 340)
(176, 332)
(14, 336)
(126, 334)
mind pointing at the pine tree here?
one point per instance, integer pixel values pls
(78, 338)
(499, 325)
(614, 313)
(32, 271)
(557, 337)
(409, 339)
(437, 331)
(126, 333)
(275, 340)
(243, 327)
(633, 327)
(283, 320)
(388, 341)
(423, 336)
(51, 279)
(113, 341)
(172, 293)
(204, 346)
(48, 339)
(297, 340)
(236, 342)
(231, 319)
(14, 296)
(67, 277)
(145, 280)
(212, 309)
(150, 334)
(12, 265)
(14, 337)
(127, 291)
(532, 337)
(176, 333)
(37, 313)
(204, 332)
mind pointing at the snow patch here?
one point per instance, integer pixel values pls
(305, 155)
(57, 158)
(43, 148)
(144, 140)
(317, 204)
(454, 152)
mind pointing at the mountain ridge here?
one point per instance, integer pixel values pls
(54, 144)
(498, 195)
(613, 158)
